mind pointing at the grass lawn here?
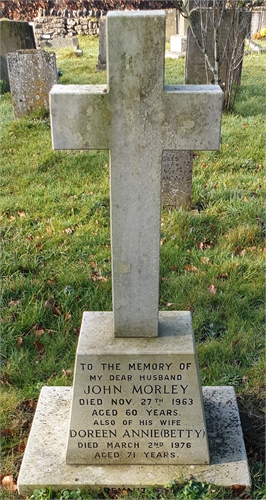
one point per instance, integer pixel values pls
(56, 263)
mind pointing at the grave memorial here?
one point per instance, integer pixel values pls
(32, 74)
(136, 415)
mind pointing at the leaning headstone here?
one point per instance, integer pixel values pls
(137, 415)
(101, 66)
(32, 74)
(177, 179)
(14, 35)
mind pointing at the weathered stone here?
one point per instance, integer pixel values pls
(137, 401)
(102, 45)
(44, 462)
(138, 106)
(144, 391)
(177, 178)
(14, 35)
(171, 23)
(32, 74)
(61, 42)
(178, 43)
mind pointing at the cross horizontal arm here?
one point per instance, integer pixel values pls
(80, 117)
(193, 117)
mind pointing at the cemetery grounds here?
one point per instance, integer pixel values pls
(56, 264)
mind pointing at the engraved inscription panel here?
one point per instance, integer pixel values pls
(137, 410)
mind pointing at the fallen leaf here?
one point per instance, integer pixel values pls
(51, 281)
(39, 346)
(192, 269)
(205, 260)
(174, 269)
(8, 483)
(19, 341)
(101, 278)
(76, 330)
(20, 448)
(39, 332)
(69, 230)
(30, 404)
(50, 305)
(114, 493)
(238, 489)
(67, 373)
(7, 432)
(67, 316)
(205, 245)
(212, 289)
(222, 276)
(169, 304)
(4, 380)
(237, 250)
(234, 343)
(21, 214)
(13, 303)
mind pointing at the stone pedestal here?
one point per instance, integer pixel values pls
(137, 401)
(44, 462)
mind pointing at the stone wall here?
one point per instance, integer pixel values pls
(66, 25)
(27, 10)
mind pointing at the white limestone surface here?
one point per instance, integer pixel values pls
(44, 462)
(136, 117)
(137, 401)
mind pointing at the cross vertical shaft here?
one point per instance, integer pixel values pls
(136, 117)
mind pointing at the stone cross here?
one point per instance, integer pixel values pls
(136, 117)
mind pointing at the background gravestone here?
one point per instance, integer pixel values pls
(234, 28)
(14, 35)
(171, 23)
(32, 74)
(58, 43)
(177, 178)
(101, 66)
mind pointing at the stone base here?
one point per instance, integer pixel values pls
(137, 401)
(44, 462)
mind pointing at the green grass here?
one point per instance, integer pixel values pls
(56, 261)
